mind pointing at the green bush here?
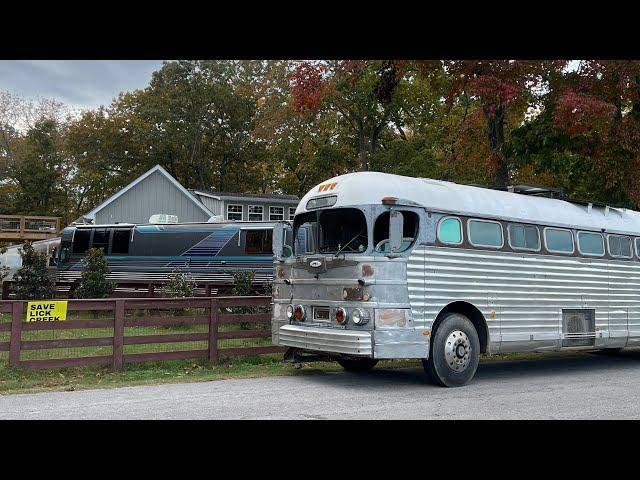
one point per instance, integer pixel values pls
(93, 280)
(180, 285)
(33, 281)
(243, 286)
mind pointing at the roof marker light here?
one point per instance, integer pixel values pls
(389, 200)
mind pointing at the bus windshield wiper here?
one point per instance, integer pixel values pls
(335, 255)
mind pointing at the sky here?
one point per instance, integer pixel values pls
(81, 84)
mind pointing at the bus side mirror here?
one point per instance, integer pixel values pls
(396, 227)
(278, 242)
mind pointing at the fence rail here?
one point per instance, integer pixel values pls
(214, 314)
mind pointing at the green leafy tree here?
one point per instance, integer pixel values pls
(93, 280)
(33, 281)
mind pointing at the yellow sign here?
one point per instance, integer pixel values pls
(47, 311)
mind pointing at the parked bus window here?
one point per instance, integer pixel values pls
(619, 246)
(558, 240)
(524, 237)
(120, 244)
(590, 243)
(637, 247)
(81, 240)
(258, 241)
(381, 232)
(483, 233)
(101, 239)
(343, 230)
(450, 231)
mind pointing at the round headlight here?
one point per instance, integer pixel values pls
(359, 316)
(289, 312)
(299, 313)
(341, 315)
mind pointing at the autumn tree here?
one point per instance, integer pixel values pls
(362, 92)
(503, 91)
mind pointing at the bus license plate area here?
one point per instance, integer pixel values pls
(321, 314)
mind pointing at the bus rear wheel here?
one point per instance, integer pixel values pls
(455, 352)
(357, 364)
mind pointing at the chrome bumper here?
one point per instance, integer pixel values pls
(326, 340)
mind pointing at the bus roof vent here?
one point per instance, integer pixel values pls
(537, 190)
(163, 218)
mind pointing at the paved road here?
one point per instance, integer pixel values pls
(585, 387)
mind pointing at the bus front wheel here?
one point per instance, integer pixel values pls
(357, 364)
(455, 352)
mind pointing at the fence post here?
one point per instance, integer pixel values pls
(214, 317)
(16, 333)
(118, 335)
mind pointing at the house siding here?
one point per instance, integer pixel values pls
(154, 194)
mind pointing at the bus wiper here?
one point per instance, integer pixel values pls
(335, 255)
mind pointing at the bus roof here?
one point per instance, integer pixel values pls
(362, 188)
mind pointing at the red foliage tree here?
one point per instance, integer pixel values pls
(501, 87)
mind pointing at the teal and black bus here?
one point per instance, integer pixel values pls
(210, 252)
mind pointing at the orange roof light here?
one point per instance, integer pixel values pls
(389, 200)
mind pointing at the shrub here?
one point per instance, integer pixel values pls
(243, 286)
(180, 285)
(93, 280)
(33, 281)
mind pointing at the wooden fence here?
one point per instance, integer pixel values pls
(158, 313)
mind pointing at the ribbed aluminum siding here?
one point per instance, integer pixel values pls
(155, 194)
(522, 295)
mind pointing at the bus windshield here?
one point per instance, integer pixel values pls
(331, 231)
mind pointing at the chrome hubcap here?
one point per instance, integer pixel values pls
(457, 351)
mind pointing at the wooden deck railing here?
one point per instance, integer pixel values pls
(23, 227)
(214, 313)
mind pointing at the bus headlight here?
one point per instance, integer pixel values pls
(299, 313)
(289, 312)
(341, 315)
(359, 316)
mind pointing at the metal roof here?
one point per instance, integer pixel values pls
(248, 196)
(363, 188)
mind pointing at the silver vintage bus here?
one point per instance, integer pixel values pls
(386, 266)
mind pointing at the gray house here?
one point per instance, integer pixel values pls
(157, 192)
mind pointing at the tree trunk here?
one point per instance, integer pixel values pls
(362, 148)
(495, 134)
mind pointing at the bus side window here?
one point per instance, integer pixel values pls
(101, 239)
(120, 244)
(450, 230)
(258, 241)
(81, 239)
(381, 231)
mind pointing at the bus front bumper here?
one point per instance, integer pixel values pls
(395, 343)
(327, 340)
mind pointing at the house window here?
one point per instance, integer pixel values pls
(276, 213)
(234, 212)
(255, 213)
(292, 212)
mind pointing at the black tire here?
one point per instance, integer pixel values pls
(447, 368)
(357, 364)
(609, 352)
